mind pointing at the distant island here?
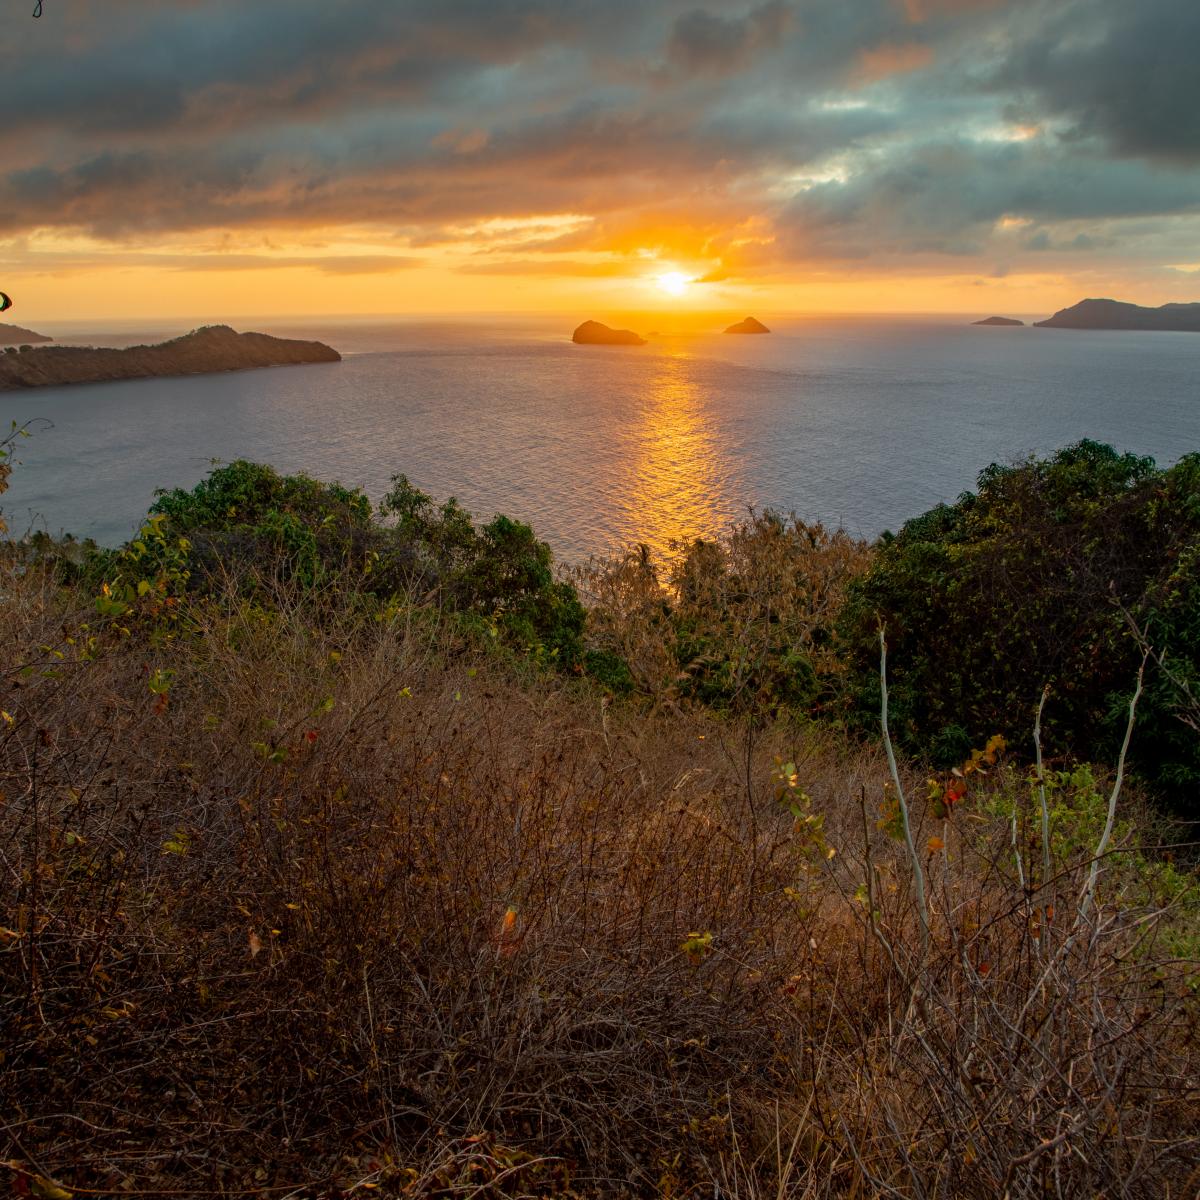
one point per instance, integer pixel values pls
(1116, 314)
(998, 321)
(14, 335)
(592, 333)
(212, 348)
(749, 325)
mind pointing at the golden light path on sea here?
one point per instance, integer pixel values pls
(675, 468)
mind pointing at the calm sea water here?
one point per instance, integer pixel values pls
(862, 423)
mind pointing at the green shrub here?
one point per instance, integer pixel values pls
(610, 670)
(246, 515)
(500, 571)
(1040, 577)
(249, 527)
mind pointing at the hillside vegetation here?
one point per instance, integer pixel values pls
(354, 851)
(1058, 572)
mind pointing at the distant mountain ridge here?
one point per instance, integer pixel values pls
(1116, 314)
(211, 348)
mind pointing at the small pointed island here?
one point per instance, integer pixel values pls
(998, 321)
(592, 333)
(749, 325)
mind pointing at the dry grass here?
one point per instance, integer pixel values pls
(738, 620)
(361, 907)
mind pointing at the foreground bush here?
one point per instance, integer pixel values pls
(1052, 573)
(245, 526)
(306, 897)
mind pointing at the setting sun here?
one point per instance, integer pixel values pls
(674, 283)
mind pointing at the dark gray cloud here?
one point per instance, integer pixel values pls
(1123, 71)
(878, 128)
(950, 197)
(140, 67)
(217, 263)
(711, 42)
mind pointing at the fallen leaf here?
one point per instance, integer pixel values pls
(47, 1189)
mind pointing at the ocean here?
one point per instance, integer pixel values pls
(856, 422)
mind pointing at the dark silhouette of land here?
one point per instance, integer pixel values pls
(212, 348)
(998, 321)
(749, 325)
(1116, 314)
(15, 335)
(592, 333)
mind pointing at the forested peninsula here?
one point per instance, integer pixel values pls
(1117, 314)
(211, 348)
(17, 335)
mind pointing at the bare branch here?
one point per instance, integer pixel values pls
(918, 873)
(1089, 890)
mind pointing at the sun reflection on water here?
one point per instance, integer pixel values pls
(676, 469)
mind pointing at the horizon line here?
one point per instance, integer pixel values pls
(507, 316)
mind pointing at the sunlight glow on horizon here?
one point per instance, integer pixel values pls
(476, 268)
(674, 283)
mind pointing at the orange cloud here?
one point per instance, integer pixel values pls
(918, 11)
(549, 266)
(892, 58)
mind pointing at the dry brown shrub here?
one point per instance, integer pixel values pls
(359, 904)
(741, 618)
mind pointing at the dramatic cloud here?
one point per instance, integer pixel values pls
(1125, 73)
(905, 206)
(567, 137)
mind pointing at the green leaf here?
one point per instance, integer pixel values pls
(178, 843)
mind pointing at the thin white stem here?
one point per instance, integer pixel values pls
(1089, 890)
(918, 874)
(1041, 778)
(1017, 850)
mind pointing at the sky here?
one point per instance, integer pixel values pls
(290, 157)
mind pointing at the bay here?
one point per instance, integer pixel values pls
(860, 422)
